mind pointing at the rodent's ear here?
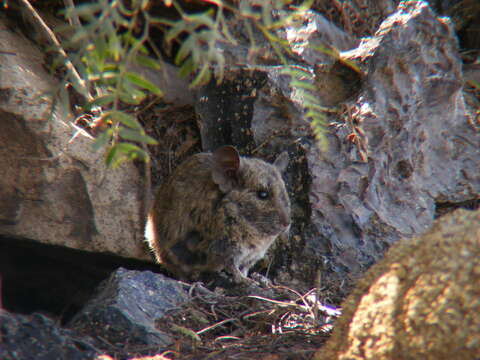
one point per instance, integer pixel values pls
(281, 162)
(226, 162)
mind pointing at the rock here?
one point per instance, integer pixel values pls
(402, 145)
(311, 30)
(413, 108)
(176, 88)
(359, 18)
(125, 308)
(314, 31)
(25, 337)
(54, 280)
(420, 148)
(226, 111)
(420, 302)
(57, 190)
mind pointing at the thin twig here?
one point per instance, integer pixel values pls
(48, 35)
(317, 293)
(73, 20)
(211, 327)
(276, 302)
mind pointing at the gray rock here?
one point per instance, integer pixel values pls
(309, 31)
(352, 201)
(125, 308)
(26, 337)
(57, 190)
(314, 31)
(175, 88)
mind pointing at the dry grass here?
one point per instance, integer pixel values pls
(286, 325)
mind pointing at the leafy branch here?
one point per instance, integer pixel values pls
(199, 54)
(110, 37)
(106, 48)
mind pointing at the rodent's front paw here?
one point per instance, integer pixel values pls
(240, 278)
(262, 280)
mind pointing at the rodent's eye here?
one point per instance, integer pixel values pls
(263, 194)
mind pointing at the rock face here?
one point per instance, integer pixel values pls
(125, 309)
(37, 337)
(420, 302)
(402, 144)
(56, 189)
(119, 319)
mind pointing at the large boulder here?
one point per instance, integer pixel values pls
(420, 302)
(401, 146)
(54, 188)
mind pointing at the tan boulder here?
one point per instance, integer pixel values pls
(54, 189)
(422, 301)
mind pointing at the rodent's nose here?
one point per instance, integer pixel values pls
(284, 219)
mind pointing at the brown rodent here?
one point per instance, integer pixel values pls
(218, 211)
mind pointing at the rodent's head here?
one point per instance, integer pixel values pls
(254, 189)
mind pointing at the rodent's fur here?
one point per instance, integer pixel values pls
(218, 211)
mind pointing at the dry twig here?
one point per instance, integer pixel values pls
(49, 37)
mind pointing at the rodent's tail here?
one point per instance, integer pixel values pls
(150, 234)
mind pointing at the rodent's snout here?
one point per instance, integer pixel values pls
(284, 219)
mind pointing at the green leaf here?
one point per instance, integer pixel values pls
(132, 98)
(83, 10)
(309, 98)
(162, 21)
(112, 156)
(100, 101)
(296, 72)
(315, 115)
(115, 44)
(175, 31)
(130, 93)
(101, 49)
(106, 75)
(112, 67)
(141, 82)
(102, 140)
(203, 77)
(304, 6)
(220, 68)
(185, 49)
(226, 32)
(332, 52)
(316, 107)
(79, 35)
(138, 136)
(121, 152)
(187, 68)
(202, 19)
(303, 85)
(135, 43)
(121, 117)
(147, 61)
(125, 10)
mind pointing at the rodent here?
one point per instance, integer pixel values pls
(218, 211)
